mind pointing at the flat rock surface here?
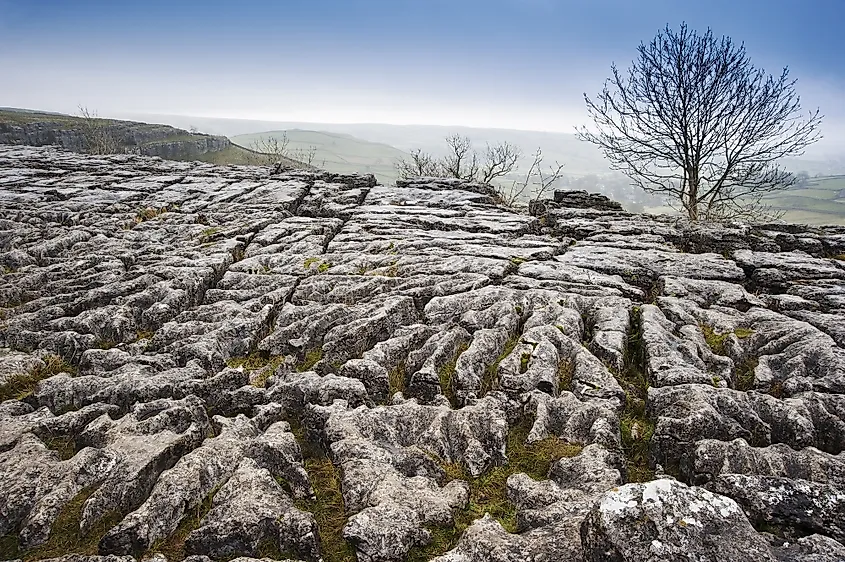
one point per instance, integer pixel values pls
(216, 363)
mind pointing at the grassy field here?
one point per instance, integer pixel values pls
(821, 201)
(337, 152)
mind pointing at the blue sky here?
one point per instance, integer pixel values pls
(506, 63)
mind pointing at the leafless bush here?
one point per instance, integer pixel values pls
(536, 183)
(99, 137)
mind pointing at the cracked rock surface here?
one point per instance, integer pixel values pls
(213, 363)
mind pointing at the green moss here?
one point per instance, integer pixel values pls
(309, 262)
(324, 267)
(20, 386)
(105, 344)
(312, 356)
(490, 379)
(516, 260)
(65, 536)
(488, 492)
(447, 376)
(716, 342)
(173, 547)
(743, 333)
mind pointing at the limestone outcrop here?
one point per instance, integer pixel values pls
(216, 363)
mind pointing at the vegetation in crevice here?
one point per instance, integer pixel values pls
(716, 341)
(447, 376)
(148, 214)
(144, 335)
(65, 536)
(327, 506)
(105, 344)
(173, 547)
(490, 379)
(565, 372)
(20, 386)
(524, 359)
(743, 376)
(64, 445)
(488, 492)
(396, 380)
(635, 425)
(208, 234)
(309, 359)
(258, 361)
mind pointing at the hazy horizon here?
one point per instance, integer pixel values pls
(506, 64)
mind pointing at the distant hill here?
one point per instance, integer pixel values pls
(336, 152)
(39, 128)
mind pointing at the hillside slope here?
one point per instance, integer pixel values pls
(37, 128)
(337, 152)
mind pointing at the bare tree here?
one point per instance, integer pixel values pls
(276, 151)
(500, 160)
(536, 182)
(305, 155)
(99, 138)
(270, 150)
(694, 119)
(421, 164)
(462, 162)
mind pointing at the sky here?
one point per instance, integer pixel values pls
(521, 64)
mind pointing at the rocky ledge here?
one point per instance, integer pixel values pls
(209, 363)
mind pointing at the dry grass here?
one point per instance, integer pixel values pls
(20, 386)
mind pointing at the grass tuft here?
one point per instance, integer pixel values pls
(20, 386)
(396, 378)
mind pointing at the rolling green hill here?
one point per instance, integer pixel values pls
(337, 152)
